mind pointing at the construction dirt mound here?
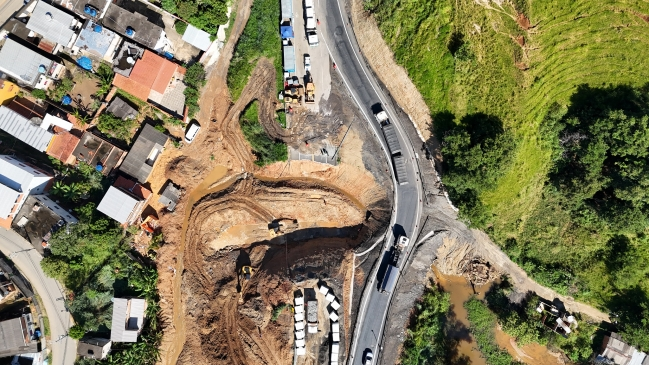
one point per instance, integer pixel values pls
(294, 223)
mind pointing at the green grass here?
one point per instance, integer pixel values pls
(265, 149)
(260, 38)
(463, 58)
(281, 118)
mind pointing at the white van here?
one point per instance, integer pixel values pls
(192, 132)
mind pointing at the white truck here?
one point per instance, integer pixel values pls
(311, 23)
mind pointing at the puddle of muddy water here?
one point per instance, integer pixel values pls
(460, 291)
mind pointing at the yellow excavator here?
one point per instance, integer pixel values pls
(246, 272)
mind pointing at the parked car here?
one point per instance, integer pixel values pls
(369, 358)
(307, 63)
(192, 131)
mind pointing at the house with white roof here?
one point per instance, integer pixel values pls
(124, 201)
(53, 25)
(128, 319)
(28, 67)
(17, 181)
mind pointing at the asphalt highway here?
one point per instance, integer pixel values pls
(28, 261)
(337, 36)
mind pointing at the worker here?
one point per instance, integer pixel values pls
(334, 65)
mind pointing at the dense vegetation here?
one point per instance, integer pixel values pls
(115, 127)
(483, 324)
(206, 15)
(76, 183)
(265, 149)
(194, 79)
(260, 38)
(568, 203)
(522, 322)
(425, 340)
(94, 261)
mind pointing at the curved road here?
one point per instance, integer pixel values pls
(336, 35)
(28, 261)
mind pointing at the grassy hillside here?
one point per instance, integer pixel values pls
(521, 64)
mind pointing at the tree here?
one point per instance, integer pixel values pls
(105, 74)
(76, 332)
(115, 127)
(170, 6)
(39, 94)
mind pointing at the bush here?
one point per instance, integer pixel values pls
(180, 26)
(277, 311)
(194, 79)
(76, 332)
(39, 94)
(170, 6)
(116, 127)
(265, 149)
(483, 324)
(61, 88)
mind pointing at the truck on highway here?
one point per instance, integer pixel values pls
(390, 279)
(390, 134)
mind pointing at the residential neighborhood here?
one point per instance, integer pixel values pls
(92, 94)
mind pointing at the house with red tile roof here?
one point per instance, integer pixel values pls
(157, 80)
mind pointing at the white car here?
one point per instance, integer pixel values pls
(192, 131)
(307, 63)
(369, 358)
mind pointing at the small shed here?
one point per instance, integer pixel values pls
(197, 38)
(170, 196)
(122, 109)
(94, 348)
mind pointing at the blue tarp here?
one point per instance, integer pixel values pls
(286, 31)
(67, 100)
(85, 63)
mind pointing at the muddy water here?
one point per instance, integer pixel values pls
(206, 187)
(460, 291)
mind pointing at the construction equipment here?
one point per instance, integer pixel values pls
(246, 272)
(310, 90)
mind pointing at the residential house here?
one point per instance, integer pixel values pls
(124, 62)
(157, 80)
(27, 108)
(141, 158)
(615, 351)
(8, 91)
(96, 41)
(86, 9)
(18, 180)
(55, 27)
(28, 67)
(16, 336)
(24, 130)
(124, 201)
(98, 152)
(133, 20)
(128, 319)
(94, 348)
(122, 109)
(39, 218)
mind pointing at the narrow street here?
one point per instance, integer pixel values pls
(27, 260)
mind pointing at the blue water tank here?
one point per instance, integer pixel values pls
(130, 31)
(97, 28)
(67, 100)
(90, 10)
(99, 167)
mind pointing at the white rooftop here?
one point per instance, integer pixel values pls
(22, 63)
(299, 301)
(335, 348)
(324, 290)
(299, 317)
(330, 297)
(335, 337)
(335, 305)
(8, 197)
(299, 334)
(299, 325)
(23, 129)
(300, 343)
(128, 318)
(117, 204)
(299, 309)
(300, 351)
(197, 38)
(335, 327)
(50, 22)
(333, 316)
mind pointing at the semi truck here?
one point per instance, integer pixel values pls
(390, 134)
(392, 272)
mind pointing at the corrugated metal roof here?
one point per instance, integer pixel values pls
(11, 334)
(124, 310)
(197, 38)
(21, 128)
(53, 24)
(8, 197)
(135, 163)
(117, 205)
(13, 176)
(289, 59)
(391, 137)
(21, 62)
(287, 9)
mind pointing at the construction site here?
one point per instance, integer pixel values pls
(246, 244)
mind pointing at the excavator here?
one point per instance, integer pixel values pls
(246, 272)
(244, 277)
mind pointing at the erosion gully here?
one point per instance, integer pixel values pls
(460, 291)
